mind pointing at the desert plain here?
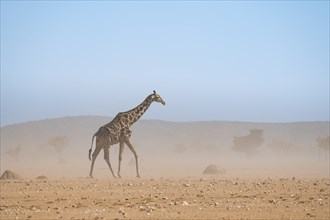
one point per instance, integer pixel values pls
(166, 198)
(285, 177)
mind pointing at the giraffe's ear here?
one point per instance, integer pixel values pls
(154, 92)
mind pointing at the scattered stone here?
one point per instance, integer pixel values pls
(311, 215)
(273, 201)
(213, 170)
(42, 177)
(185, 203)
(10, 175)
(122, 211)
(186, 185)
(149, 209)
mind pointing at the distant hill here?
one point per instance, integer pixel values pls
(186, 141)
(145, 132)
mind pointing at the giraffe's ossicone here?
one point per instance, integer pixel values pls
(118, 131)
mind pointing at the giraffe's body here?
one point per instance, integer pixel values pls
(118, 131)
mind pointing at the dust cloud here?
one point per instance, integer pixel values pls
(59, 148)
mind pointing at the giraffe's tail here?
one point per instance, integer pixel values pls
(90, 150)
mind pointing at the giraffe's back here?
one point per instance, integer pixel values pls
(113, 129)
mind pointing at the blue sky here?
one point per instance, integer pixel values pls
(263, 61)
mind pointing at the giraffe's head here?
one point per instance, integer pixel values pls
(157, 98)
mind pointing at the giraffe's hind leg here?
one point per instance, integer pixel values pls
(106, 158)
(128, 143)
(94, 155)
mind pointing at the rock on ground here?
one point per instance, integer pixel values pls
(10, 175)
(42, 177)
(213, 169)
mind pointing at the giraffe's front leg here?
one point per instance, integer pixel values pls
(135, 155)
(121, 148)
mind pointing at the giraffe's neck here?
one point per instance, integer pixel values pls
(137, 112)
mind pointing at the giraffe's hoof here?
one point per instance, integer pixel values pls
(91, 176)
(138, 176)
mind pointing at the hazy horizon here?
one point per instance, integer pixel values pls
(257, 61)
(170, 121)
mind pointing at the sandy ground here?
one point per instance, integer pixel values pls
(166, 198)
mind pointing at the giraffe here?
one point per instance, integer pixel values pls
(118, 131)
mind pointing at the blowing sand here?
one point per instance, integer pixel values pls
(285, 177)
